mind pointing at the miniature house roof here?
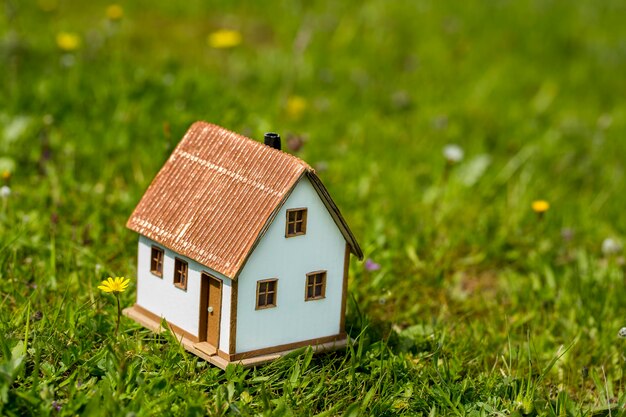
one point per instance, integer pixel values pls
(218, 193)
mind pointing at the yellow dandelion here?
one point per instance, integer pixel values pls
(68, 41)
(296, 105)
(117, 285)
(224, 38)
(6, 175)
(114, 12)
(540, 206)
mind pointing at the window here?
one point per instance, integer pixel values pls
(315, 286)
(266, 293)
(296, 222)
(180, 274)
(156, 261)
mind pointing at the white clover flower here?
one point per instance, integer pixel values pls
(5, 191)
(605, 121)
(611, 246)
(453, 153)
(68, 60)
(622, 333)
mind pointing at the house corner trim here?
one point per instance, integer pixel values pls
(232, 340)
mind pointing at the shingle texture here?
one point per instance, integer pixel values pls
(214, 196)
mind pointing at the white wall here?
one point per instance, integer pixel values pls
(289, 260)
(178, 307)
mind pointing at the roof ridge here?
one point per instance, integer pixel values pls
(256, 143)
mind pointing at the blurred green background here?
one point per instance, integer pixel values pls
(471, 302)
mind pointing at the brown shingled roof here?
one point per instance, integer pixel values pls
(216, 196)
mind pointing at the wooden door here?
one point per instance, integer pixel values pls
(212, 308)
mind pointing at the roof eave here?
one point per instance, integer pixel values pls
(330, 206)
(335, 214)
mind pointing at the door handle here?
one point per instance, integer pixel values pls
(210, 309)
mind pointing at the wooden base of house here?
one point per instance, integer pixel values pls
(221, 359)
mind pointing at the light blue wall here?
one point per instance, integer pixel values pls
(289, 260)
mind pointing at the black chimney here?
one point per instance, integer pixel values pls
(272, 139)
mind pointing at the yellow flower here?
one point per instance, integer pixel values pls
(224, 38)
(540, 206)
(114, 12)
(116, 285)
(67, 41)
(6, 175)
(296, 105)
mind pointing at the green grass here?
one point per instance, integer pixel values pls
(479, 307)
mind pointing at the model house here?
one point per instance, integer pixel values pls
(241, 250)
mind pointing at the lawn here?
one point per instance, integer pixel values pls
(471, 303)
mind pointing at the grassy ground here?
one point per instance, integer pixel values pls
(479, 306)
